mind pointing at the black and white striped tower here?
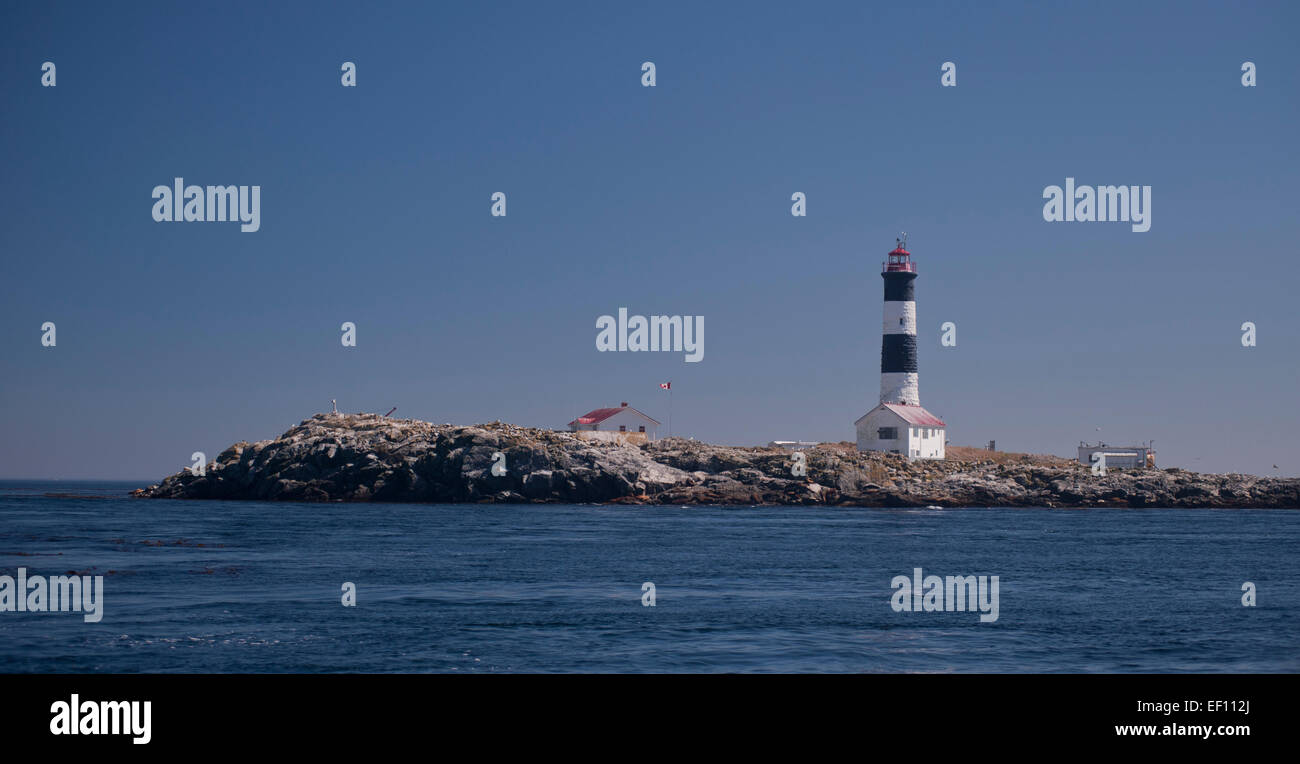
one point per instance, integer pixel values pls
(898, 373)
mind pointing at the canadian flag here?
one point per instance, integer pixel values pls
(666, 385)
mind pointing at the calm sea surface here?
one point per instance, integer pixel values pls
(203, 586)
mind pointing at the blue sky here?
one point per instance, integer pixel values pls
(174, 338)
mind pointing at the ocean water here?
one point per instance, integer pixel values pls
(202, 586)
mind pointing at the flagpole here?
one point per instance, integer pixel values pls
(669, 387)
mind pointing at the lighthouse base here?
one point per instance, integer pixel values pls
(902, 387)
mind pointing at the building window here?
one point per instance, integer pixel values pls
(622, 428)
(887, 433)
(642, 429)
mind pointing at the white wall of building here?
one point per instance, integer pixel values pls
(869, 437)
(926, 442)
(628, 418)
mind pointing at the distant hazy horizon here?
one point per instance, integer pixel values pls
(669, 200)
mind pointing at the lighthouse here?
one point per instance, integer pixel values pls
(899, 424)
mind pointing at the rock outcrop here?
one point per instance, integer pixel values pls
(367, 457)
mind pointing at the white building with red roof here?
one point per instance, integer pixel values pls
(623, 423)
(899, 428)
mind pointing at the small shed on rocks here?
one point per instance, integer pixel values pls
(622, 423)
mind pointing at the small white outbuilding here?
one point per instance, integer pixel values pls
(899, 428)
(617, 424)
(1129, 457)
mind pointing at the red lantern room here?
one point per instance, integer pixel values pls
(900, 260)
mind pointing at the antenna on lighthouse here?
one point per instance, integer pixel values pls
(903, 241)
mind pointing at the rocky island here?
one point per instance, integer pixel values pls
(368, 457)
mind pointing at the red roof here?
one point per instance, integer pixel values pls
(596, 416)
(915, 415)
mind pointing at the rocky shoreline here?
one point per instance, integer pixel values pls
(367, 457)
